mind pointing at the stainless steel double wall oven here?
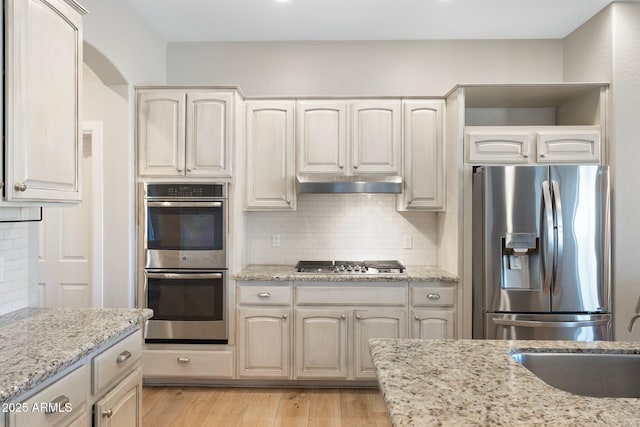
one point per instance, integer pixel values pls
(184, 241)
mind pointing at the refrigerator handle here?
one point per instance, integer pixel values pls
(544, 324)
(558, 233)
(549, 234)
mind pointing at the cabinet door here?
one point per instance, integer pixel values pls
(270, 155)
(208, 134)
(376, 136)
(321, 344)
(121, 406)
(263, 342)
(322, 136)
(423, 155)
(374, 324)
(161, 133)
(43, 74)
(497, 146)
(578, 146)
(433, 324)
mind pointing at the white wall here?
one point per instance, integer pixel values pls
(116, 30)
(606, 48)
(351, 68)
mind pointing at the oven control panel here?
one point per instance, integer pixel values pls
(185, 190)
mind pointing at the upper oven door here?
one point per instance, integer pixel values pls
(184, 234)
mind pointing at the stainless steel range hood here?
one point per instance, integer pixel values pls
(349, 184)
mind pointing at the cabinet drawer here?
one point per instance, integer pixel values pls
(64, 399)
(187, 364)
(433, 296)
(348, 295)
(116, 361)
(264, 295)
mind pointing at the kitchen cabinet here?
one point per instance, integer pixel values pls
(264, 330)
(270, 167)
(349, 136)
(432, 311)
(185, 133)
(42, 101)
(521, 145)
(334, 323)
(122, 406)
(423, 154)
(107, 383)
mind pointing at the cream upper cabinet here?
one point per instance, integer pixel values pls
(185, 133)
(538, 144)
(270, 168)
(349, 137)
(322, 136)
(423, 165)
(42, 83)
(376, 136)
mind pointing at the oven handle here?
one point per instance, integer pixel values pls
(184, 204)
(183, 275)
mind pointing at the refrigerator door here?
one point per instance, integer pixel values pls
(513, 232)
(581, 211)
(580, 327)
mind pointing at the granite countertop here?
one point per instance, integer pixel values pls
(412, 273)
(476, 383)
(38, 343)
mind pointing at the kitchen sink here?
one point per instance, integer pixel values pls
(587, 374)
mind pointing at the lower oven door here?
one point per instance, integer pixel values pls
(188, 307)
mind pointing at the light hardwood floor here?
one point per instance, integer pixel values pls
(258, 407)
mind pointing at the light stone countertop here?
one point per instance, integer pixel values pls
(476, 383)
(288, 273)
(38, 343)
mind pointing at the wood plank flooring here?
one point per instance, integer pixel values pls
(262, 407)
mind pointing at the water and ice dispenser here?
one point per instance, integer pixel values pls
(519, 250)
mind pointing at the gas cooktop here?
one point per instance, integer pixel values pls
(350, 267)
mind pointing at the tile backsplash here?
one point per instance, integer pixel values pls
(14, 271)
(345, 227)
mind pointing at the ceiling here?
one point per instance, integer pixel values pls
(272, 20)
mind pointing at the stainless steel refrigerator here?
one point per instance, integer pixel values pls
(541, 253)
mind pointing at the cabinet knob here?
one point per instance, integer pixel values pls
(183, 360)
(359, 317)
(20, 186)
(108, 413)
(179, 169)
(264, 294)
(122, 357)
(341, 166)
(1, 185)
(433, 297)
(285, 316)
(417, 317)
(344, 316)
(288, 202)
(189, 169)
(355, 166)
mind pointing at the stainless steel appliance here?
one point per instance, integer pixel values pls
(350, 267)
(185, 264)
(541, 257)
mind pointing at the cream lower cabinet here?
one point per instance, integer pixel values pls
(109, 381)
(334, 323)
(432, 314)
(121, 406)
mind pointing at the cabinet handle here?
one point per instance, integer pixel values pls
(57, 404)
(433, 297)
(288, 202)
(541, 155)
(122, 357)
(1, 185)
(355, 166)
(264, 295)
(108, 413)
(341, 166)
(285, 316)
(189, 169)
(179, 169)
(183, 360)
(417, 317)
(344, 316)
(20, 186)
(359, 317)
